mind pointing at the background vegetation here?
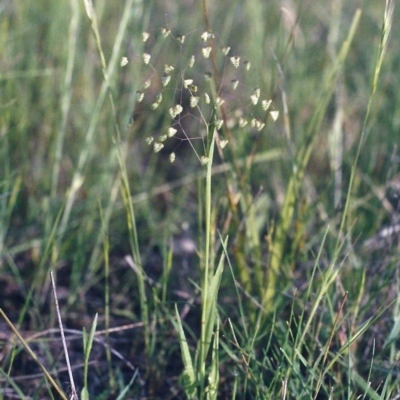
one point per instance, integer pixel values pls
(256, 273)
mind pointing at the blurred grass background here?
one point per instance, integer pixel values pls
(61, 207)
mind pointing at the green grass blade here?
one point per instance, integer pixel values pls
(87, 348)
(189, 375)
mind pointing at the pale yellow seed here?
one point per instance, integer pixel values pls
(172, 157)
(204, 36)
(235, 84)
(157, 147)
(194, 100)
(226, 50)
(187, 82)
(163, 138)
(274, 115)
(147, 84)
(124, 61)
(168, 68)
(191, 61)
(155, 105)
(206, 51)
(171, 132)
(149, 140)
(260, 125)
(178, 109)
(222, 143)
(145, 36)
(192, 88)
(180, 39)
(254, 99)
(174, 111)
(242, 122)
(219, 101)
(165, 79)
(235, 60)
(265, 104)
(146, 58)
(204, 160)
(255, 123)
(207, 36)
(207, 98)
(139, 96)
(247, 65)
(165, 31)
(219, 123)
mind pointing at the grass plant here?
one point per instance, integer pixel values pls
(205, 183)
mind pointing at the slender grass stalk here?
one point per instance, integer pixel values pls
(125, 182)
(106, 247)
(203, 345)
(67, 93)
(282, 228)
(108, 71)
(385, 34)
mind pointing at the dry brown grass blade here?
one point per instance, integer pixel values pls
(33, 355)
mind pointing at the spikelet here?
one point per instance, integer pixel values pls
(234, 83)
(187, 82)
(146, 58)
(168, 68)
(206, 51)
(149, 140)
(174, 111)
(180, 39)
(219, 101)
(274, 115)
(194, 100)
(255, 96)
(171, 131)
(222, 143)
(204, 160)
(226, 50)
(219, 123)
(139, 96)
(157, 147)
(165, 79)
(165, 31)
(192, 59)
(235, 60)
(145, 36)
(265, 104)
(242, 122)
